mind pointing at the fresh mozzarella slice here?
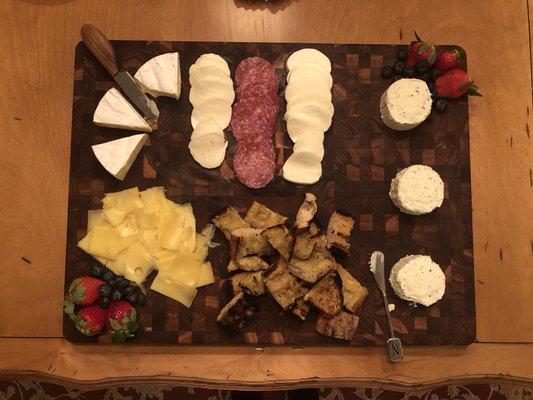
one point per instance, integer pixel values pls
(312, 112)
(309, 71)
(207, 126)
(311, 56)
(114, 111)
(161, 76)
(213, 60)
(303, 168)
(202, 91)
(312, 100)
(208, 150)
(216, 109)
(303, 87)
(405, 104)
(207, 74)
(311, 142)
(300, 124)
(117, 156)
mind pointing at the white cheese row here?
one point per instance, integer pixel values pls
(211, 96)
(309, 114)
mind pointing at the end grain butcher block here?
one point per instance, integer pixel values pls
(362, 156)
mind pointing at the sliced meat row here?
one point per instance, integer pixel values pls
(253, 122)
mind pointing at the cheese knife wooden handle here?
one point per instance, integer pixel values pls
(101, 47)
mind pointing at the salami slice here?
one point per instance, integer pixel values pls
(258, 89)
(254, 163)
(254, 69)
(254, 119)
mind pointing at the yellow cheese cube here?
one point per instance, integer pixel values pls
(206, 276)
(175, 290)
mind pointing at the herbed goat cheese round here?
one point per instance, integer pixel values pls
(405, 104)
(418, 279)
(417, 190)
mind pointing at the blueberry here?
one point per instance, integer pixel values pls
(129, 290)
(104, 301)
(132, 298)
(433, 74)
(141, 299)
(421, 67)
(396, 78)
(409, 72)
(399, 67)
(426, 77)
(431, 87)
(440, 105)
(387, 72)
(401, 55)
(105, 290)
(109, 277)
(117, 295)
(122, 282)
(96, 271)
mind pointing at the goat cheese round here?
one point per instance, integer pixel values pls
(418, 279)
(417, 190)
(405, 104)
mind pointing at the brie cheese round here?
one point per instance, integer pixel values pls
(114, 111)
(417, 190)
(309, 56)
(405, 104)
(303, 168)
(418, 279)
(161, 76)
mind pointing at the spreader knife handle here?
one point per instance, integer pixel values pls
(101, 47)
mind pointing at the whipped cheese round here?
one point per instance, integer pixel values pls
(417, 190)
(405, 104)
(418, 279)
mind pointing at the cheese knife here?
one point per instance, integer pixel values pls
(377, 266)
(104, 52)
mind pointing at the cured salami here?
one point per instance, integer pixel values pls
(253, 122)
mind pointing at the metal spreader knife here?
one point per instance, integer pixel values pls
(377, 266)
(104, 52)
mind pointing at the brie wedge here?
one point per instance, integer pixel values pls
(417, 190)
(405, 104)
(161, 76)
(309, 56)
(114, 111)
(418, 279)
(117, 156)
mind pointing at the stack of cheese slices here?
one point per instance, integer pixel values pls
(309, 114)
(159, 76)
(211, 96)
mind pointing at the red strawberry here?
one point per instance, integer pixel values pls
(121, 320)
(447, 60)
(420, 51)
(90, 320)
(84, 291)
(454, 84)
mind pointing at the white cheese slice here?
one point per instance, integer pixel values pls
(207, 126)
(114, 111)
(209, 150)
(300, 124)
(309, 72)
(302, 168)
(117, 156)
(316, 112)
(418, 279)
(216, 109)
(312, 142)
(417, 190)
(311, 56)
(161, 76)
(405, 104)
(207, 74)
(213, 60)
(300, 89)
(203, 91)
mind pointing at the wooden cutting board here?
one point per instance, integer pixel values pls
(362, 156)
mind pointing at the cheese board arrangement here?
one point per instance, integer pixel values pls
(234, 193)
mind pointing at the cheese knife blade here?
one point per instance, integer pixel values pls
(104, 52)
(377, 266)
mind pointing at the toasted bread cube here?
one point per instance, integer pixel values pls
(229, 220)
(248, 282)
(248, 241)
(306, 212)
(326, 295)
(262, 217)
(249, 263)
(353, 292)
(236, 313)
(340, 228)
(281, 239)
(314, 268)
(283, 286)
(341, 326)
(300, 308)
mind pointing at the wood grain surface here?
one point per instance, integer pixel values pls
(37, 47)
